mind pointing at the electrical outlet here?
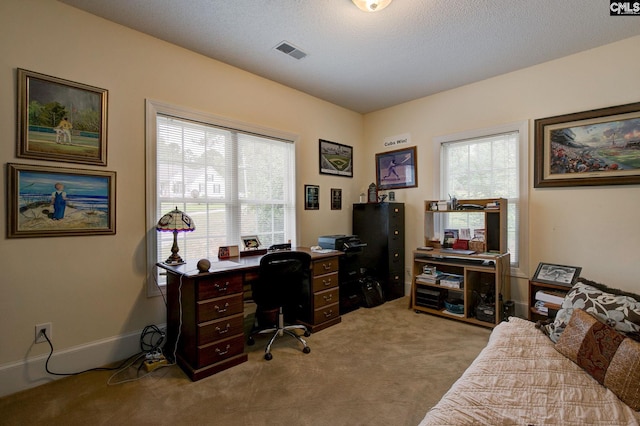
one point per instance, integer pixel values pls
(47, 329)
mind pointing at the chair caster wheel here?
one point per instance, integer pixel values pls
(306, 349)
(251, 341)
(268, 356)
(307, 333)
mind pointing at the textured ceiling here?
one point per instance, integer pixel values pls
(369, 61)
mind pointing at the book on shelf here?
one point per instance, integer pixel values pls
(551, 297)
(452, 281)
(544, 307)
(429, 278)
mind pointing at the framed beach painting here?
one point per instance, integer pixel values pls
(56, 201)
(60, 120)
(597, 147)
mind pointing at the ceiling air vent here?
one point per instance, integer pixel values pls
(288, 49)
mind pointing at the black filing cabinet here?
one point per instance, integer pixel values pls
(381, 227)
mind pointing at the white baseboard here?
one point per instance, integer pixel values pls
(31, 372)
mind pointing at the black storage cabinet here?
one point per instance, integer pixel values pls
(381, 226)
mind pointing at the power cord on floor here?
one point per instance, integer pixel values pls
(46, 364)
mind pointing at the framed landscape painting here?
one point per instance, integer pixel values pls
(598, 147)
(55, 201)
(60, 120)
(336, 159)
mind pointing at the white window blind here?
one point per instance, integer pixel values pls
(233, 179)
(484, 167)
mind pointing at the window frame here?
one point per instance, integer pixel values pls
(153, 108)
(522, 127)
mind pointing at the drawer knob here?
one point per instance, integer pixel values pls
(327, 298)
(221, 310)
(223, 287)
(225, 351)
(328, 313)
(326, 266)
(396, 232)
(225, 330)
(327, 282)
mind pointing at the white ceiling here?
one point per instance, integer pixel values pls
(369, 61)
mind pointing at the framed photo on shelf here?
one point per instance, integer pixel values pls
(312, 197)
(55, 201)
(335, 159)
(397, 169)
(557, 274)
(336, 199)
(597, 147)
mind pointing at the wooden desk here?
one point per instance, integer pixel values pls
(210, 308)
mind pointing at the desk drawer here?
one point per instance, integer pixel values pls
(220, 350)
(211, 331)
(325, 282)
(325, 266)
(326, 313)
(212, 309)
(219, 285)
(324, 298)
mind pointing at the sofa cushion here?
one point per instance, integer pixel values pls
(607, 355)
(618, 309)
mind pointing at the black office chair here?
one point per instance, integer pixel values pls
(277, 294)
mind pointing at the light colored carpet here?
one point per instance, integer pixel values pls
(382, 366)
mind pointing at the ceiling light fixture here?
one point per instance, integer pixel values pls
(371, 5)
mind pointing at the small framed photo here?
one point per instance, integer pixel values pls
(557, 274)
(225, 252)
(60, 120)
(336, 199)
(250, 242)
(397, 169)
(336, 159)
(55, 201)
(312, 197)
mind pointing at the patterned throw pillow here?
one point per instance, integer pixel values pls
(608, 356)
(620, 311)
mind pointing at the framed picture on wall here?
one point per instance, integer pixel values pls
(397, 169)
(597, 147)
(335, 159)
(60, 120)
(336, 199)
(56, 201)
(311, 197)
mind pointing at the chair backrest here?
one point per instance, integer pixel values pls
(283, 276)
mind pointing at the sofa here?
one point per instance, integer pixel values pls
(582, 368)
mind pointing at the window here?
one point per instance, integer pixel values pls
(231, 178)
(486, 164)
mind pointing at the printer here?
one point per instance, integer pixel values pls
(344, 243)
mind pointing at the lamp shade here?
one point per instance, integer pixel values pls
(371, 5)
(175, 220)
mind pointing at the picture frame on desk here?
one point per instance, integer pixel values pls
(557, 274)
(250, 242)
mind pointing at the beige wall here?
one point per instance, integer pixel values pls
(592, 227)
(93, 289)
